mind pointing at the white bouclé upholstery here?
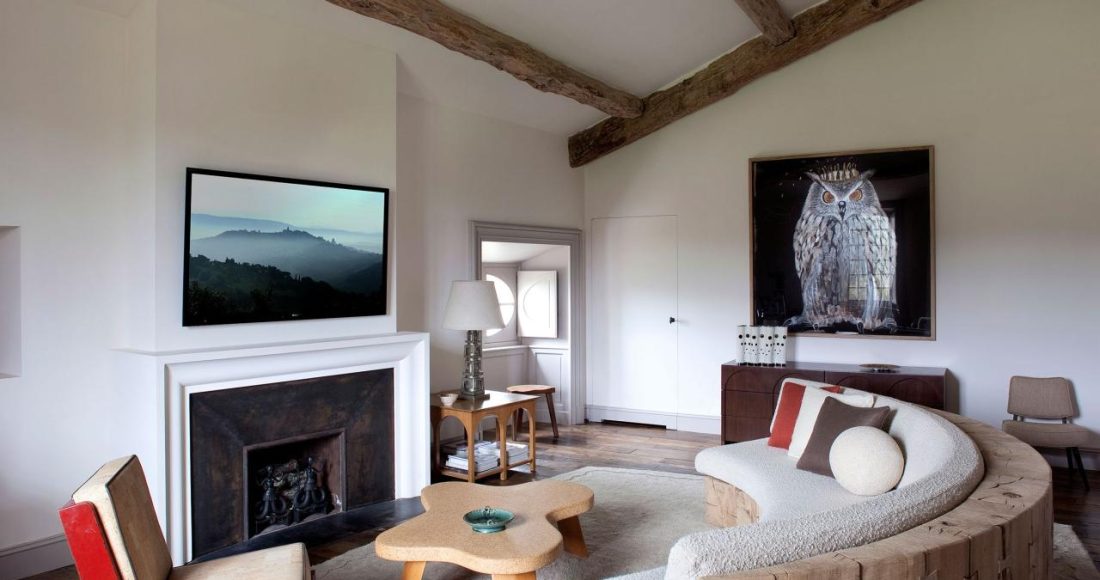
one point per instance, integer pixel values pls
(755, 468)
(942, 468)
(866, 461)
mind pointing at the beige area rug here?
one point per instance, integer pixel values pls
(1071, 560)
(637, 518)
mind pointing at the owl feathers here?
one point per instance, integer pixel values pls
(845, 253)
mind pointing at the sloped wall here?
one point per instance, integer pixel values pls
(1006, 91)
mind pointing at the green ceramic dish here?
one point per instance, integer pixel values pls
(488, 520)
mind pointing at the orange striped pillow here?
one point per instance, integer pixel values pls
(786, 412)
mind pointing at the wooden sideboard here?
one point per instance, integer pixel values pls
(750, 393)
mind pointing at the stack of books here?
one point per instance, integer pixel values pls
(517, 452)
(486, 456)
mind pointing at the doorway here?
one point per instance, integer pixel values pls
(539, 276)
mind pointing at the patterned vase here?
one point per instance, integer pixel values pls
(742, 337)
(779, 354)
(751, 352)
(767, 345)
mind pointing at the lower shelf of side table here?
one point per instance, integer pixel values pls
(450, 472)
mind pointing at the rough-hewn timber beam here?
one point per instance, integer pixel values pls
(768, 16)
(817, 28)
(458, 32)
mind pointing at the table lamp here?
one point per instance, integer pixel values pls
(473, 307)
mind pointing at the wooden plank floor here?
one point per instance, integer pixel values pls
(1078, 508)
(602, 444)
(634, 447)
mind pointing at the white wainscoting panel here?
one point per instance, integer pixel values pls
(551, 366)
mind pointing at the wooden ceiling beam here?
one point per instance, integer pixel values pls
(817, 28)
(458, 32)
(768, 16)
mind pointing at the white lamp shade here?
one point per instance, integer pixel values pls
(473, 305)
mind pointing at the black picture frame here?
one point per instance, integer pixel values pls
(279, 287)
(903, 179)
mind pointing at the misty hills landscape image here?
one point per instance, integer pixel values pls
(245, 276)
(262, 266)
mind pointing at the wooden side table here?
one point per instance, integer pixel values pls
(499, 405)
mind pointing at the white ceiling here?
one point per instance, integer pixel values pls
(511, 252)
(636, 45)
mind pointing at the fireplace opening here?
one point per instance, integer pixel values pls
(251, 448)
(293, 481)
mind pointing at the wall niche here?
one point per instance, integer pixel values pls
(11, 350)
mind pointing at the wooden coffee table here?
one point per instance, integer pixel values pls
(546, 521)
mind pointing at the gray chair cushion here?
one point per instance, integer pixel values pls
(1047, 434)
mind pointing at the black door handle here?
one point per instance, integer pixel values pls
(671, 320)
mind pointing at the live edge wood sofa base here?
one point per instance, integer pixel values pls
(1003, 530)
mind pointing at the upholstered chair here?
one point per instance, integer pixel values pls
(1052, 399)
(113, 534)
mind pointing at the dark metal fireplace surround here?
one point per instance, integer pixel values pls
(344, 423)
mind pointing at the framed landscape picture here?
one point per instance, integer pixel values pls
(843, 243)
(261, 248)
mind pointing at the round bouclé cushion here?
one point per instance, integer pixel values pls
(866, 461)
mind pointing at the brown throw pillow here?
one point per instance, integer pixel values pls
(834, 419)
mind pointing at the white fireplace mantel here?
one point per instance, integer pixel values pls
(180, 373)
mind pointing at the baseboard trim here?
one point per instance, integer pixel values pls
(34, 557)
(699, 424)
(678, 421)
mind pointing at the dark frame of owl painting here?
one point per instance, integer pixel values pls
(843, 244)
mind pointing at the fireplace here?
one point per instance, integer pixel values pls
(268, 457)
(293, 481)
(176, 375)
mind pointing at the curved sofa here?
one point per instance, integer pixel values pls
(973, 502)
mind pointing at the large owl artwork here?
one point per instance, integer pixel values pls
(842, 243)
(845, 252)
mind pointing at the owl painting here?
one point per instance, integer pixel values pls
(845, 253)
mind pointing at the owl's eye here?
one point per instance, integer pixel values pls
(828, 197)
(856, 195)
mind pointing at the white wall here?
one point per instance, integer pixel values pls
(1007, 92)
(101, 112)
(65, 145)
(242, 91)
(454, 167)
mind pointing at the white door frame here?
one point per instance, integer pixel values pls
(574, 238)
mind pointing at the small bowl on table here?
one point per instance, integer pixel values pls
(488, 520)
(448, 399)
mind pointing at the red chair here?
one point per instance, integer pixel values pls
(113, 534)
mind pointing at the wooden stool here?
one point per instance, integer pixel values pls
(536, 390)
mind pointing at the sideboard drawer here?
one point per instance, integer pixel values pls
(737, 429)
(764, 379)
(747, 404)
(922, 390)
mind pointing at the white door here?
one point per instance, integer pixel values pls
(631, 312)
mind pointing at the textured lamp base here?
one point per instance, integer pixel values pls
(473, 395)
(473, 379)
